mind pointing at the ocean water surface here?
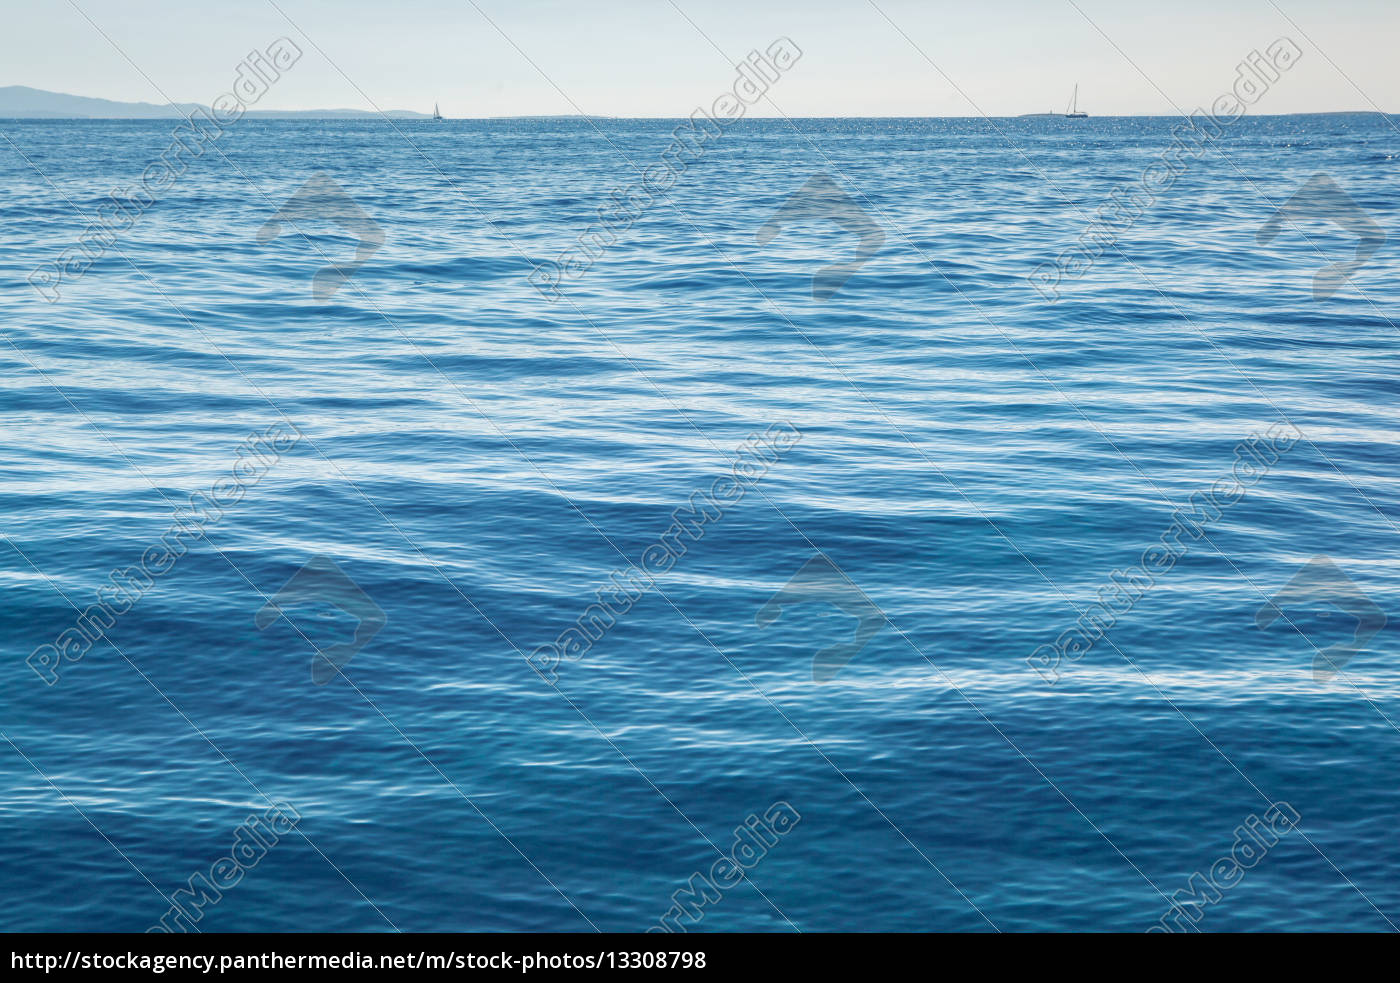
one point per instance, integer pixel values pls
(452, 465)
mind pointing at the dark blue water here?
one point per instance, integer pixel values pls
(475, 460)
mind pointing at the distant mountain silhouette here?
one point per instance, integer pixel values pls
(22, 102)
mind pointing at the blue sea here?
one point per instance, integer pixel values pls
(367, 654)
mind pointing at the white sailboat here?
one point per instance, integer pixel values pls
(1074, 112)
(436, 115)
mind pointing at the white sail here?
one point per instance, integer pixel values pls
(1074, 112)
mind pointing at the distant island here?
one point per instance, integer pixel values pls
(22, 102)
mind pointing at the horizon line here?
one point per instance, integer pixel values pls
(380, 114)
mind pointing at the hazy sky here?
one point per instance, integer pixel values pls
(634, 58)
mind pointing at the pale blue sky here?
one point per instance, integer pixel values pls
(634, 58)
